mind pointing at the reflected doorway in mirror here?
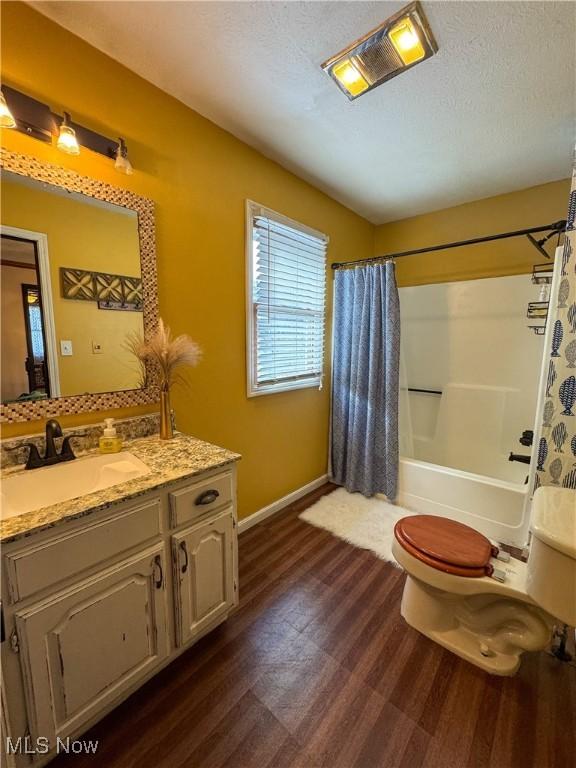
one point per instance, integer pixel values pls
(29, 367)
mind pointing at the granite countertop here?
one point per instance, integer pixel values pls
(169, 461)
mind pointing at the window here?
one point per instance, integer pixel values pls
(286, 269)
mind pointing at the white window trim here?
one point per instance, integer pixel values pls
(252, 389)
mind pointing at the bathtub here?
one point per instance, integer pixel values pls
(497, 508)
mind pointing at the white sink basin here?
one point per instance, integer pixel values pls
(38, 488)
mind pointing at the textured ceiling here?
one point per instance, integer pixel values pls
(492, 112)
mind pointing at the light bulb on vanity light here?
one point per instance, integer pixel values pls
(122, 163)
(67, 141)
(6, 117)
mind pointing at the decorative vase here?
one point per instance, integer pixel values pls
(166, 431)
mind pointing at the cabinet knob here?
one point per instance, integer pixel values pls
(207, 497)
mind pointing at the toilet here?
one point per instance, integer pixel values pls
(477, 602)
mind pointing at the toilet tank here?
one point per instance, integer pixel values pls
(551, 579)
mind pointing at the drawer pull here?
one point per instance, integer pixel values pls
(208, 497)
(158, 564)
(183, 548)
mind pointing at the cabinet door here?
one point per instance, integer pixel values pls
(204, 580)
(83, 647)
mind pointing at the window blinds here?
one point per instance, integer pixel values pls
(288, 303)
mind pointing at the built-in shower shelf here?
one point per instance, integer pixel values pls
(538, 310)
(542, 274)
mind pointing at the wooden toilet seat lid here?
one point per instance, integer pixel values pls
(446, 545)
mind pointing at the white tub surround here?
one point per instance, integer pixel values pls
(487, 369)
(471, 343)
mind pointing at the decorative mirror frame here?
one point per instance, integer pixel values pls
(25, 165)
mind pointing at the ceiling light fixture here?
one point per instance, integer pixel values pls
(122, 163)
(67, 141)
(399, 43)
(6, 117)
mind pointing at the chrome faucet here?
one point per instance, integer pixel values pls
(51, 455)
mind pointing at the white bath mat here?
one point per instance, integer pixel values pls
(366, 523)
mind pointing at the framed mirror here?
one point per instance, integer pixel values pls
(78, 279)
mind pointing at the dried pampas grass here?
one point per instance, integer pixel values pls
(164, 354)
(134, 343)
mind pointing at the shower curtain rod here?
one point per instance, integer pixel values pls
(557, 227)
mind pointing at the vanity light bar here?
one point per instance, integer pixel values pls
(37, 120)
(30, 116)
(400, 42)
(6, 116)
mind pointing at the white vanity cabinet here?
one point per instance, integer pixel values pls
(82, 647)
(203, 554)
(94, 607)
(204, 579)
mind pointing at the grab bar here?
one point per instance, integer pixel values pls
(425, 391)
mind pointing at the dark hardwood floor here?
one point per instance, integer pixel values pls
(317, 668)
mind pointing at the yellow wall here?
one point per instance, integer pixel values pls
(90, 237)
(199, 177)
(535, 206)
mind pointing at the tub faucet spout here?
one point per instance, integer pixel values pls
(519, 457)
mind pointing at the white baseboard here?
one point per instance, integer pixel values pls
(276, 506)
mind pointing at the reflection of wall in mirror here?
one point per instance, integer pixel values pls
(89, 236)
(14, 348)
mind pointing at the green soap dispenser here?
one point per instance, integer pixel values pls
(110, 442)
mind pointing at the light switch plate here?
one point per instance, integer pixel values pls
(65, 347)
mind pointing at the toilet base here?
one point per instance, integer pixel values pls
(488, 631)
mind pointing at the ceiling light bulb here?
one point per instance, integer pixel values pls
(349, 77)
(405, 40)
(6, 117)
(67, 141)
(122, 163)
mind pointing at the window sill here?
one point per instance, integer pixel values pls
(273, 389)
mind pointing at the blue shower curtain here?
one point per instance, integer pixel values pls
(366, 360)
